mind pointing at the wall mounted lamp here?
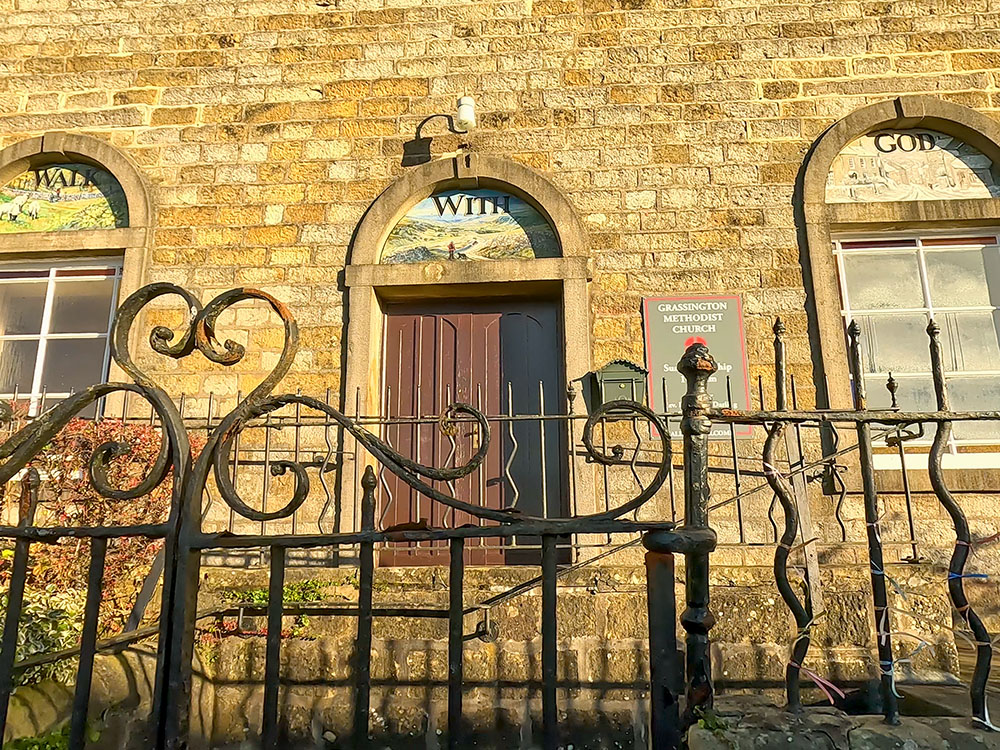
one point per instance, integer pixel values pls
(466, 119)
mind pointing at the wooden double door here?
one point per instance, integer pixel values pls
(505, 359)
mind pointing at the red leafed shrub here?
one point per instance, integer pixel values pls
(67, 498)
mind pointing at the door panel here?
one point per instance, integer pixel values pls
(502, 358)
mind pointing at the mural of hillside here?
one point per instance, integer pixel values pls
(62, 197)
(466, 225)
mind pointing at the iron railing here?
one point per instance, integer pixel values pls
(650, 466)
(186, 540)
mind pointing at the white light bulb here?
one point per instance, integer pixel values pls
(466, 119)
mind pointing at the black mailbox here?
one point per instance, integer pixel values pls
(621, 379)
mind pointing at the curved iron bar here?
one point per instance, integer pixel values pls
(328, 502)
(514, 447)
(18, 450)
(801, 611)
(841, 498)
(803, 621)
(770, 518)
(619, 409)
(834, 468)
(406, 469)
(160, 336)
(963, 543)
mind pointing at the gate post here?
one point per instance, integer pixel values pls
(665, 674)
(697, 366)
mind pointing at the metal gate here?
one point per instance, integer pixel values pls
(185, 539)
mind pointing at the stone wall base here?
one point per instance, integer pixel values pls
(751, 723)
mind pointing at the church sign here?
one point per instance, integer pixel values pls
(910, 165)
(469, 225)
(671, 325)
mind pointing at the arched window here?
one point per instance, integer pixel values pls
(902, 209)
(476, 224)
(72, 226)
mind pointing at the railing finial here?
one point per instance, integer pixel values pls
(697, 366)
(892, 386)
(780, 367)
(854, 360)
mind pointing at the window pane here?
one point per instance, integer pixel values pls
(21, 305)
(912, 394)
(970, 341)
(957, 278)
(73, 364)
(973, 394)
(895, 343)
(17, 365)
(878, 282)
(82, 306)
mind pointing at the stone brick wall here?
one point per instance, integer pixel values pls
(676, 129)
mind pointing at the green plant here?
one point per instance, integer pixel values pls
(296, 592)
(712, 722)
(56, 740)
(708, 719)
(51, 620)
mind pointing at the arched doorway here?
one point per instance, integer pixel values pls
(474, 290)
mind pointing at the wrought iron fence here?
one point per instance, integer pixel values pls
(198, 480)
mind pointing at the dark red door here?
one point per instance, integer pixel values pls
(502, 358)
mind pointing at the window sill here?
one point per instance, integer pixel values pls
(918, 461)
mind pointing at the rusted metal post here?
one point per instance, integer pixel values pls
(366, 583)
(11, 624)
(697, 366)
(272, 665)
(456, 576)
(30, 484)
(550, 653)
(880, 597)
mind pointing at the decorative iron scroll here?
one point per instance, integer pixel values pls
(216, 457)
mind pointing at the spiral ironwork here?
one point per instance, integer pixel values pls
(198, 333)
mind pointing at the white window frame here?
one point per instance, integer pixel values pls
(955, 457)
(39, 394)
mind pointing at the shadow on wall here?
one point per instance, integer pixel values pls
(603, 670)
(603, 694)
